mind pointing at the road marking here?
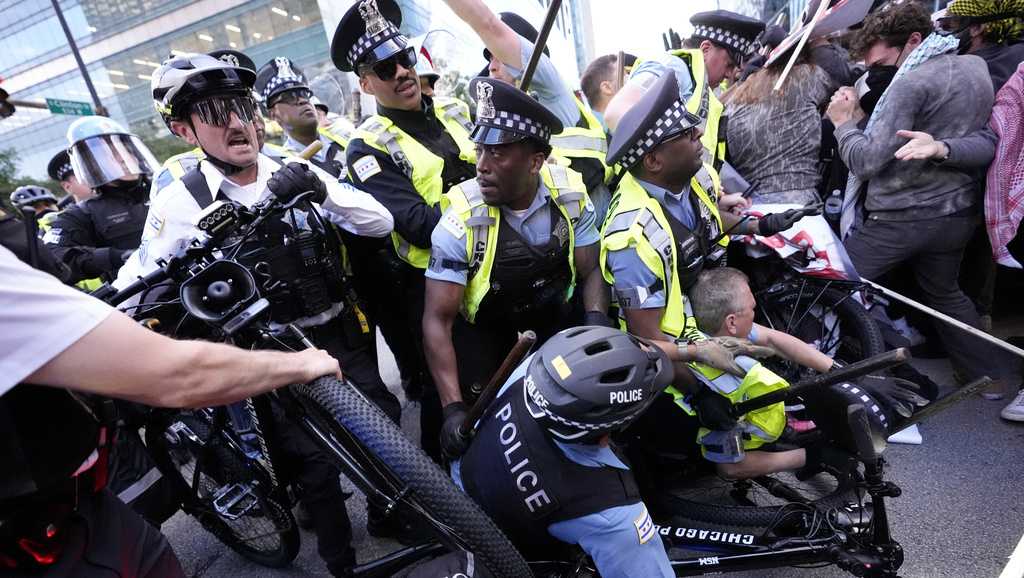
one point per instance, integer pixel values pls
(1015, 567)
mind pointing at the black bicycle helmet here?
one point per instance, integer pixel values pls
(30, 194)
(588, 381)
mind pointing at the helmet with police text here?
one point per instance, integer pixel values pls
(589, 381)
(184, 79)
(102, 151)
(28, 195)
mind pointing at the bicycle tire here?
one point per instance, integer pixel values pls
(231, 466)
(429, 485)
(860, 337)
(673, 506)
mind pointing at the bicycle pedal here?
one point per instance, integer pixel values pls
(235, 500)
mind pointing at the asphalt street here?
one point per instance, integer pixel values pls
(960, 515)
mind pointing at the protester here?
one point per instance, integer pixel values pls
(917, 212)
(600, 81)
(774, 136)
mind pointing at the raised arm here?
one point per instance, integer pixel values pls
(501, 40)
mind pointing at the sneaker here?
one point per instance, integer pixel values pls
(994, 391)
(1015, 410)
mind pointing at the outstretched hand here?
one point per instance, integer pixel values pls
(922, 146)
(317, 363)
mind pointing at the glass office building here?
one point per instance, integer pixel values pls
(123, 41)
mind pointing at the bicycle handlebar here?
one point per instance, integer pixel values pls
(854, 370)
(138, 286)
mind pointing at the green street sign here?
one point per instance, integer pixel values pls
(71, 107)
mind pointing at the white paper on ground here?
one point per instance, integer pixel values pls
(910, 435)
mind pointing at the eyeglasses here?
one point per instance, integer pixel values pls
(689, 133)
(387, 69)
(217, 111)
(293, 96)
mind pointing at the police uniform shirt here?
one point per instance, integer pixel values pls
(381, 177)
(623, 540)
(448, 256)
(650, 70)
(169, 223)
(633, 279)
(41, 318)
(547, 86)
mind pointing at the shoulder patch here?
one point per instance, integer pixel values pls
(165, 178)
(644, 525)
(155, 223)
(366, 167)
(52, 237)
(453, 225)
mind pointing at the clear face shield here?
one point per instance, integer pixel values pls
(105, 158)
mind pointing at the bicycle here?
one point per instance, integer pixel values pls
(227, 485)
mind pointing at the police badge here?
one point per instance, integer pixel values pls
(375, 22)
(230, 59)
(484, 106)
(284, 69)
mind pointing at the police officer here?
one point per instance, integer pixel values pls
(39, 199)
(176, 166)
(712, 54)
(407, 155)
(96, 236)
(209, 103)
(284, 91)
(510, 248)
(60, 170)
(665, 227)
(548, 429)
(323, 113)
(509, 41)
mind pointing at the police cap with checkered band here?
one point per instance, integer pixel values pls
(588, 381)
(734, 32)
(658, 115)
(276, 77)
(367, 33)
(506, 114)
(59, 167)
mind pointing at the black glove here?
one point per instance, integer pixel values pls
(822, 456)
(714, 410)
(773, 223)
(294, 179)
(599, 319)
(899, 395)
(453, 443)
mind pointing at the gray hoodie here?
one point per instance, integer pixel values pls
(947, 97)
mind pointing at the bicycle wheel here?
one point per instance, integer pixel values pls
(765, 502)
(828, 318)
(401, 470)
(256, 526)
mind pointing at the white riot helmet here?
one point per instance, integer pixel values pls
(102, 151)
(183, 80)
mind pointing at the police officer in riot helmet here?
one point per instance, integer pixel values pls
(209, 103)
(549, 428)
(96, 236)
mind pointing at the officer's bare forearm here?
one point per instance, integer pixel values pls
(120, 359)
(440, 309)
(729, 220)
(501, 40)
(596, 293)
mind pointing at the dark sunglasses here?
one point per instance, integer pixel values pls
(293, 96)
(387, 68)
(689, 133)
(217, 111)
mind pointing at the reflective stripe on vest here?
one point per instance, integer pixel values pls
(422, 167)
(637, 220)
(482, 222)
(760, 426)
(576, 141)
(455, 110)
